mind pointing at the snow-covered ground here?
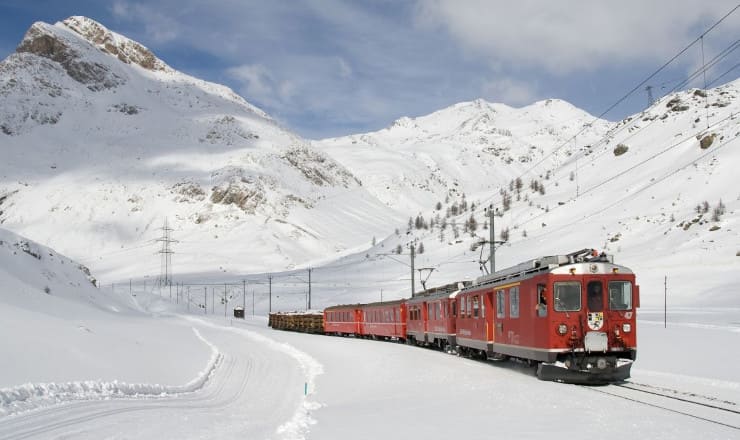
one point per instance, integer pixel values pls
(85, 362)
(282, 385)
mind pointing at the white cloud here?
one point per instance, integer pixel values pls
(570, 35)
(508, 91)
(260, 85)
(159, 27)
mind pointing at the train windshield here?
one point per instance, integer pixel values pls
(620, 295)
(595, 296)
(567, 296)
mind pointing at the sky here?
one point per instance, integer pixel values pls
(326, 68)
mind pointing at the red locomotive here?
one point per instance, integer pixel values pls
(573, 315)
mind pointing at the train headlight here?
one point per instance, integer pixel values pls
(627, 327)
(562, 329)
(601, 363)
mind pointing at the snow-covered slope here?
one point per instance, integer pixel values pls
(631, 188)
(472, 147)
(59, 327)
(101, 141)
(35, 277)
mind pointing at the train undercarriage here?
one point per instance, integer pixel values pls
(590, 369)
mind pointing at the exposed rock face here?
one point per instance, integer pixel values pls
(318, 168)
(128, 51)
(40, 41)
(247, 194)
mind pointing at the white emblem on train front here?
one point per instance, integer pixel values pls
(595, 320)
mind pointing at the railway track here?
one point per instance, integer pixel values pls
(701, 407)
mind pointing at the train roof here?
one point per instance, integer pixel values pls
(584, 261)
(445, 291)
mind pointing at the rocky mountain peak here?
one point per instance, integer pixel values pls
(50, 42)
(126, 50)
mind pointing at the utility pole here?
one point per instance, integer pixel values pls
(225, 301)
(269, 278)
(575, 147)
(492, 237)
(665, 302)
(413, 285)
(309, 288)
(205, 300)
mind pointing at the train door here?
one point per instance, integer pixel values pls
(499, 297)
(539, 299)
(489, 313)
(596, 338)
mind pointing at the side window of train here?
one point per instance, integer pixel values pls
(454, 309)
(567, 296)
(595, 296)
(500, 304)
(514, 302)
(470, 306)
(476, 306)
(620, 295)
(541, 300)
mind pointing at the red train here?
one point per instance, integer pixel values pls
(573, 315)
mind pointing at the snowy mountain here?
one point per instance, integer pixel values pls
(102, 141)
(473, 147)
(657, 189)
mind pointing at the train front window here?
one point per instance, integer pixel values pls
(567, 296)
(595, 296)
(620, 295)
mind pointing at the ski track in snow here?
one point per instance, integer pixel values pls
(298, 426)
(248, 388)
(32, 396)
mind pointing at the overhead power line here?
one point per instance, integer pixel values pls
(623, 98)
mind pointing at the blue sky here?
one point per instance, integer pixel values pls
(329, 67)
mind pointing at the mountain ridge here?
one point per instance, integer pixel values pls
(244, 195)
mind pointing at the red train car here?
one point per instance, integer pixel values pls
(574, 314)
(342, 320)
(386, 320)
(430, 319)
